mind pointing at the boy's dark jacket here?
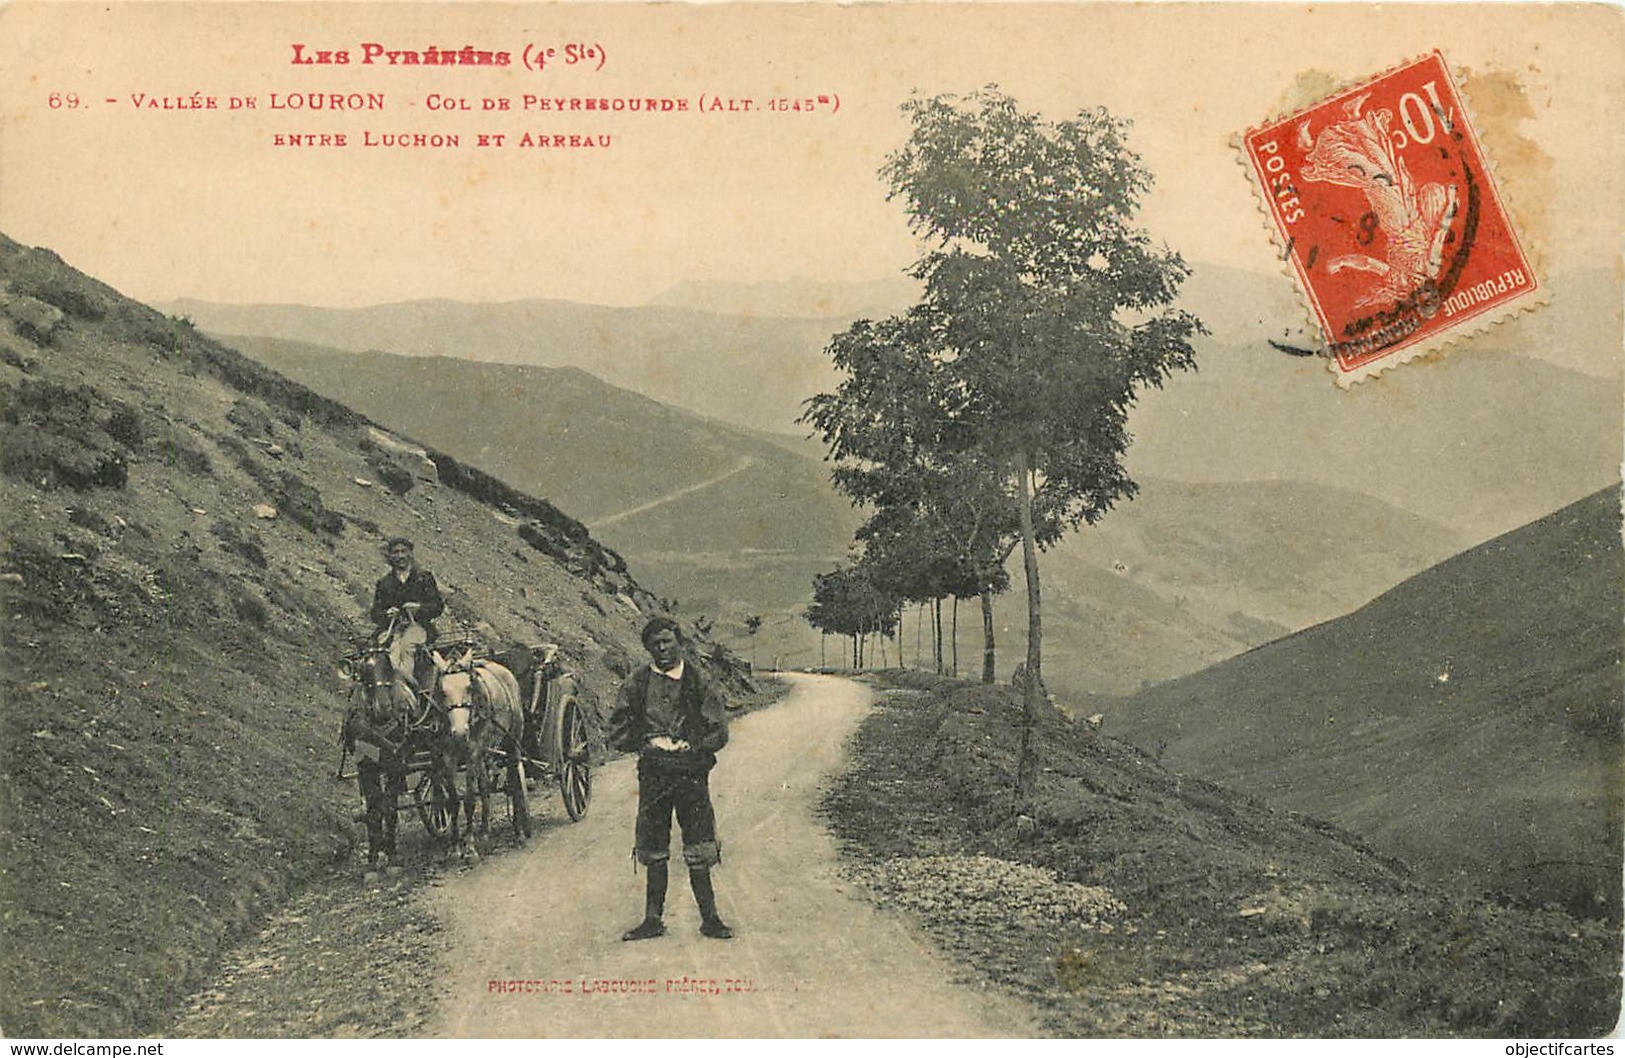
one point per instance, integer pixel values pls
(702, 722)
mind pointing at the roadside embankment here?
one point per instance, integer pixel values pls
(1131, 901)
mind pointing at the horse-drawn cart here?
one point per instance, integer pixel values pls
(481, 718)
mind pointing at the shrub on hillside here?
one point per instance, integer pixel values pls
(235, 542)
(56, 436)
(73, 298)
(250, 419)
(21, 361)
(52, 461)
(250, 608)
(396, 479)
(87, 518)
(32, 318)
(177, 450)
(300, 501)
(124, 425)
(250, 463)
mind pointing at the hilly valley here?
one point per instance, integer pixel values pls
(731, 524)
(190, 539)
(1469, 720)
(1365, 486)
(1498, 432)
(1186, 575)
(189, 544)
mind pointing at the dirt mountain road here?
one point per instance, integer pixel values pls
(810, 957)
(744, 464)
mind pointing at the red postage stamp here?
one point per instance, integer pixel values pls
(1389, 213)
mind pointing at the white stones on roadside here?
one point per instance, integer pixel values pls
(985, 891)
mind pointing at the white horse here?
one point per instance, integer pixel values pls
(483, 711)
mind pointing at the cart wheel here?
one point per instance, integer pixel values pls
(431, 804)
(572, 757)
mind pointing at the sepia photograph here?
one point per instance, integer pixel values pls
(808, 520)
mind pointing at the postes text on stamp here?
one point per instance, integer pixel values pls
(1388, 211)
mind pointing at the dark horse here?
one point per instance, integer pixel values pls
(389, 726)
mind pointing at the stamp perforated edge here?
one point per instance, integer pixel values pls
(1436, 344)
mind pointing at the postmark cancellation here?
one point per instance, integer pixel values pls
(1386, 207)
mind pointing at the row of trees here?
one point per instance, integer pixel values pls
(993, 414)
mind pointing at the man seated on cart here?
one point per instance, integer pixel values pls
(411, 590)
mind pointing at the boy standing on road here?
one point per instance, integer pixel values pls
(675, 720)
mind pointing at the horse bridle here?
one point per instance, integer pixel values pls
(373, 687)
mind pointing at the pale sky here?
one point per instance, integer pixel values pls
(182, 203)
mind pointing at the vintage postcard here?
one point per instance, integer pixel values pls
(620, 520)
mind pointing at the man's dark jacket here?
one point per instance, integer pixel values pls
(419, 587)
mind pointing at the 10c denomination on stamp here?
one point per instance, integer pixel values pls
(1389, 213)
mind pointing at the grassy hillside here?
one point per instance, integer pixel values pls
(1186, 575)
(1468, 720)
(188, 539)
(595, 449)
(1133, 901)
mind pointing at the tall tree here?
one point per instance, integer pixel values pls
(1046, 307)
(944, 518)
(847, 601)
(952, 538)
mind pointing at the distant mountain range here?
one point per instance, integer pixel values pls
(751, 371)
(794, 298)
(1481, 440)
(1468, 720)
(1486, 439)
